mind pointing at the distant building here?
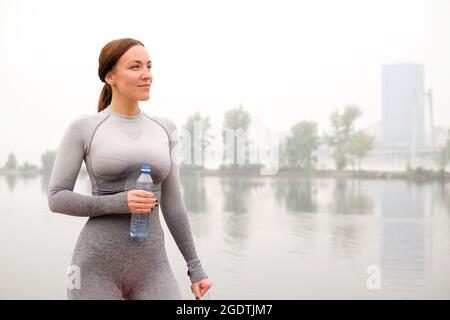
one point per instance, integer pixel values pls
(402, 115)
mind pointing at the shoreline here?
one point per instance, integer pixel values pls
(415, 175)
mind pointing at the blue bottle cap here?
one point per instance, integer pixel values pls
(146, 168)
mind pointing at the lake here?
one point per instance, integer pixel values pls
(259, 238)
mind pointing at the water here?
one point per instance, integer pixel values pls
(259, 238)
(139, 225)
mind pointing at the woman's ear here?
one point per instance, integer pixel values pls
(109, 78)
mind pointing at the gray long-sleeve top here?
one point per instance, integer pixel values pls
(114, 146)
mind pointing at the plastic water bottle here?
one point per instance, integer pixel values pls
(139, 227)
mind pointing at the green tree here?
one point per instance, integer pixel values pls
(27, 166)
(236, 122)
(11, 163)
(360, 143)
(197, 126)
(237, 118)
(284, 163)
(342, 129)
(301, 144)
(442, 154)
(47, 160)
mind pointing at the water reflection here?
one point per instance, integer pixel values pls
(194, 192)
(236, 193)
(403, 234)
(45, 179)
(344, 223)
(11, 181)
(442, 195)
(345, 238)
(402, 200)
(195, 199)
(298, 194)
(236, 202)
(304, 232)
(350, 197)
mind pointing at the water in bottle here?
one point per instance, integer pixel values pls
(139, 227)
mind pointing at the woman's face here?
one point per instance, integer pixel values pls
(131, 76)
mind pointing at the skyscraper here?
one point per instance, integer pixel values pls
(402, 117)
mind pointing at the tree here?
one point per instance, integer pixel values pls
(236, 123)
(301, 145)
(342, 128)
(11, 163)
(197, 126)
(442, 154)
(47, 160)
(27, 166)
(360, 143)
(237, 118)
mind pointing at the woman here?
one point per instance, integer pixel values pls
(114, 143)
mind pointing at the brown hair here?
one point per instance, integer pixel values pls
(109, 55)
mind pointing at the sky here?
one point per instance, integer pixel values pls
(284, 61)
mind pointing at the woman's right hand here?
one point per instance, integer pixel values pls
(141, 201)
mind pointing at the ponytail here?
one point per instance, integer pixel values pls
(105, 97)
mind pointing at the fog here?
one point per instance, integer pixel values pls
(284, 61)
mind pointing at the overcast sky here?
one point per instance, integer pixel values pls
(285, 61)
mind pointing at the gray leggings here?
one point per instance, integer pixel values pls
(113, 266)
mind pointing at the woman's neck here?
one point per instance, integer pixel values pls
(127, 108)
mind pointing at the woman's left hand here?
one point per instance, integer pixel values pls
(199, 288)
